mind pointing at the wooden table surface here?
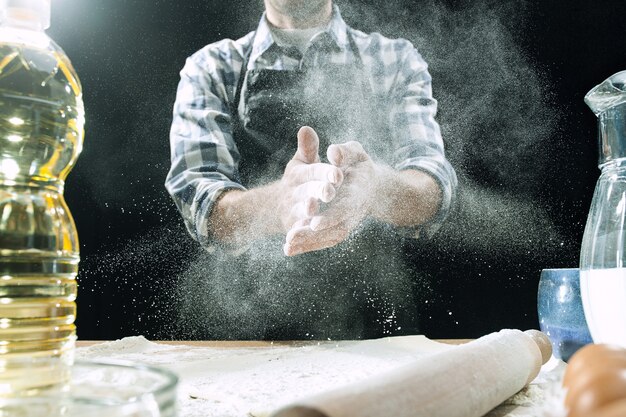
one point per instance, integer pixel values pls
(247, 343)
(504, 410)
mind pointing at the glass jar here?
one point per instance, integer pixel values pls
(102, 389)
(602, 258)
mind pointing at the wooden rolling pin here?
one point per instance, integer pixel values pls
(463, 381)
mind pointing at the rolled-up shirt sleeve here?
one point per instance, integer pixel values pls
(419, 145)
(204, 156)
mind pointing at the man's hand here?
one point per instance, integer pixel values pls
(243, 216)
(354, 201)
(306, 181)
(352, 183)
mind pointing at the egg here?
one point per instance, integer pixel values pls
(600, 364)
(601, 387)
(595, 379)
(614, 409)
(593, 357)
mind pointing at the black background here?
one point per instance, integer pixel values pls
(128, 54)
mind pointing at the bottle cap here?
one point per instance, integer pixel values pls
(26, 12)
(608, 101)
(608, 94)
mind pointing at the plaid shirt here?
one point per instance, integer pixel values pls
(204, 153)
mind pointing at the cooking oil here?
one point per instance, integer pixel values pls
(41, 134)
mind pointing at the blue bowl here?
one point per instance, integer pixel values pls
(560, 309)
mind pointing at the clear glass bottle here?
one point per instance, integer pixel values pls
(603, 258)
(41, 135)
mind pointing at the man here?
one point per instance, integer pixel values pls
(253, 119)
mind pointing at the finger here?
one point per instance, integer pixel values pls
(301, 223)
(298, 228)
(325, 221)
(308, 146)
(305, 209)
(346, 154)
(317, 172)
(303, 239)
(340, 212)
(319, 190)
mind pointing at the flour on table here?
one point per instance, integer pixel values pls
(128, 345)
(542, 398)
(252, 382)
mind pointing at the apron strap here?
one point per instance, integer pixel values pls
(234, 106)
(366, 87)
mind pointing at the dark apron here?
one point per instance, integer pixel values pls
(363, 287)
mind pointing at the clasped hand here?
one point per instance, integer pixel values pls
(345, 184)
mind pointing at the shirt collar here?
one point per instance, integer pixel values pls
(337, 30)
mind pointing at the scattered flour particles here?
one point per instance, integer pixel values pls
(254, 381)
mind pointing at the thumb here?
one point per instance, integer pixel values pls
(346, 154)
(308, 146)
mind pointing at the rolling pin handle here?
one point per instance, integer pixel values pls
(543, 343)
(299, 411)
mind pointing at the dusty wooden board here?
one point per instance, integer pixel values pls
(511, 408)
(225, 344)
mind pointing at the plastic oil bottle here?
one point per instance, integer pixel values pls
(41, 135)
